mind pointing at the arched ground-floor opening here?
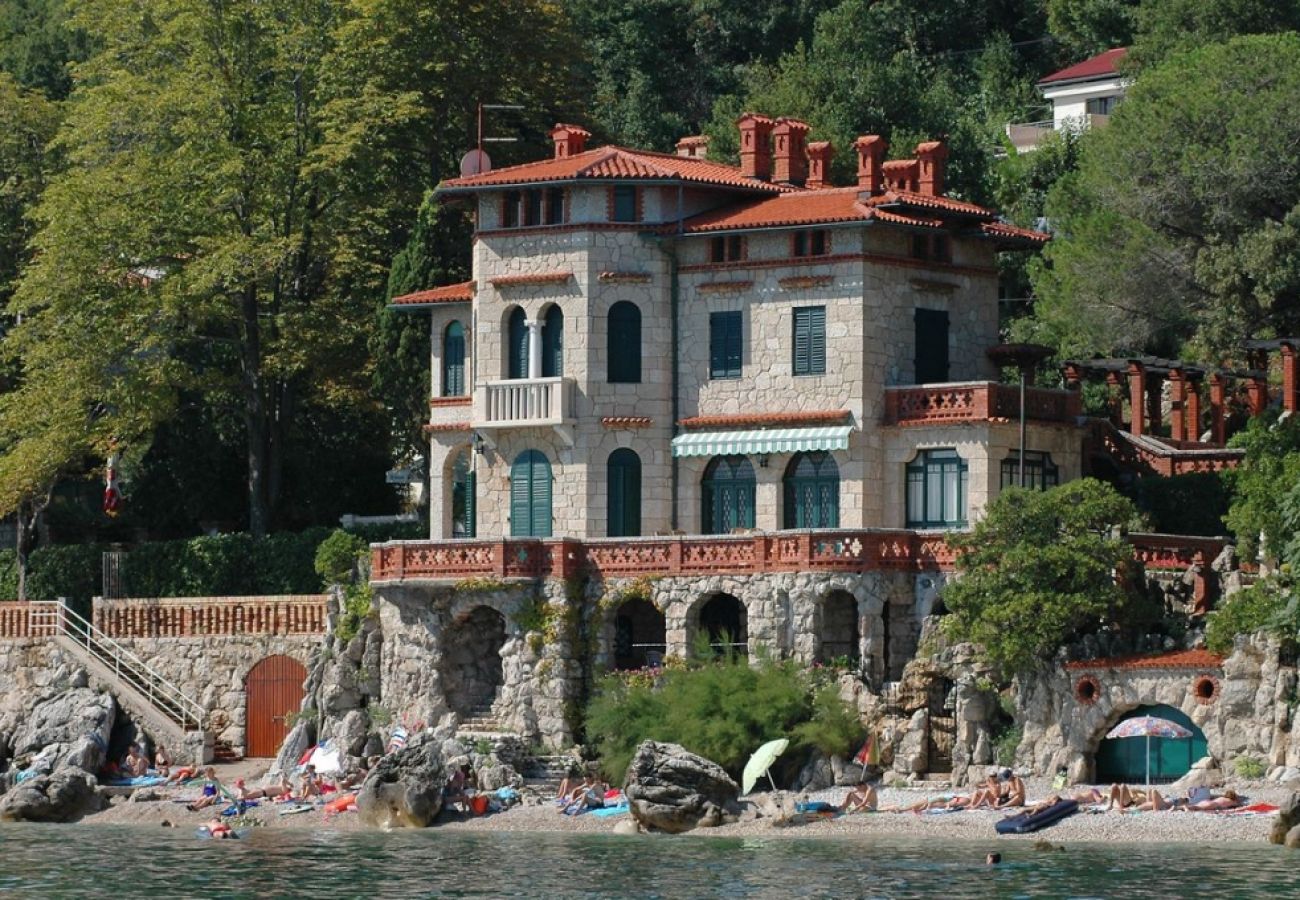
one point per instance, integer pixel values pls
(723, 619)
(471, 660)
(840, 635)
(1126, 759)
(640, 636)
(273, 691)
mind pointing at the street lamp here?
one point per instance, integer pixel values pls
(1024, 357)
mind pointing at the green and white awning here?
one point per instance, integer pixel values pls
(775, 440)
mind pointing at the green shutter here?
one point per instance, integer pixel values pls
(726, 348)
(931, 336)
(521, 506)
(453, 361)
(624, 498)
(471, 505)
(541, 496)
(817, 340)
(801, 338)
(553, 343)
(624, 356)
(518, 351)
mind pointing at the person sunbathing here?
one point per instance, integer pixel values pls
(1091, 795)
(1012, 793)
(309, 784)
(211, 791)
(136, 764)
(943, 801)
(588, 795)
(985, 796)
(218, 830)
(162, 761)
(184, 773)
(861, 799)
(1124, 797)
(1229, 800)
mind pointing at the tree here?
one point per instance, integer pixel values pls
(1084, 28)
(1169, 26)
(1182, 225)
(1265, 510)
(1040, 569)
(37, 44)
(28, 122)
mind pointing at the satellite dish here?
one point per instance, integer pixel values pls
(475, 162)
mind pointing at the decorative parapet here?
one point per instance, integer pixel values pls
(978, 401)
(290, 614)
(624, 277)
(1175, 551)
(1161, 456)
(19, 621)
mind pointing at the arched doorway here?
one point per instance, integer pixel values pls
(1125, 759)
(639, 635)
(624, 497)
(839, 637)
(727, 493)
(812, 491)
(530, 495)
(723, 619)
(273, 692)
(471, 660)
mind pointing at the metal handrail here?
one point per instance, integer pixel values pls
(148, 681)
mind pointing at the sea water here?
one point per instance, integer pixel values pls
(134, 861)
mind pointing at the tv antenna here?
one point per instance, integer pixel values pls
(476, 161)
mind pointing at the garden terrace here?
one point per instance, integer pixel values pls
(978, 401)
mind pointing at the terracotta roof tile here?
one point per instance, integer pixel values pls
(1002, 229)
(626, 421)
(1098, 66)
(616, 162)
(1178, 659)
(448, 293)
(759, 420)
(533, 278)
(930, 201)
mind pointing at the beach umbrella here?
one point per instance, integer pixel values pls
(761, 761)
(1148, 727)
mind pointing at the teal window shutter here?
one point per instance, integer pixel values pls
(453, 360)
(541, 526)
(625, 203)
(517, 351)
(931, 335)
(530, 495)
(728, 495)
(624, 356)
(553, 343)
(810, 340)
(624, 500)
(812, 491)
(725, 344)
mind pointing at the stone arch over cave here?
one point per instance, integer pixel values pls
(840, 632)
(637, 635)
(1125, 759)
(471, 668)
(725, 620)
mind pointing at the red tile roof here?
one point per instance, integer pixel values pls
(616, 162)
(759, 420)
(1099, 66)
(448, 293)
(1178, 659)
(1002, 229)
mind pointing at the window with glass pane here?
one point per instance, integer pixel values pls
(555, 206)
(517, 345)
(533, 207)
(624, 357)
(725, 345)
(1040, 472)
(728, 495)
(812, 491)
(625, 204)
(453, 361)
(936, 490)
(810, 340)
(510, 210)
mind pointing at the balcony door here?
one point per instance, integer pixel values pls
(530, 495)
(553, 343)
(517, 345)
(624, 519)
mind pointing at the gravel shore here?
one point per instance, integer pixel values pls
(1163, 827)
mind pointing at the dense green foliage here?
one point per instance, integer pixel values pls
(1271, 605)
(37, 43)
(27, 123)
(1265, 512)
(722, 710)
(337, 556)
(1182, 224)
(1039, 570)
(1195, 503)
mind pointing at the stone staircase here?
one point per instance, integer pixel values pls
(481, 721)
(546, 771)
(136, 686)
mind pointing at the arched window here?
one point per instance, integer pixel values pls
(462, 496)
(530, 495)
(553, 343)
(453, 360)
(517, 345)
(624, 501)
(728, 495)
(624, 343)
(812, 491)
(936, 490)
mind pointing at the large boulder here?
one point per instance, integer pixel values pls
(295, 745)
(1288, 818)
(404, 790)
(72, 728)
(63, 796)
(671, 789)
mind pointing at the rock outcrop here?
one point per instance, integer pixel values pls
(1286, 827)
(404, 790)
(671, 789)
(63, 796)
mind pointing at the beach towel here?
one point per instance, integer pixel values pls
(1255, 809)
(296, 808)
(608, 811)
(942, 811)
(814, 806)
(137, 781)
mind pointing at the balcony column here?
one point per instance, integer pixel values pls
(1137, 390)
(1192, 420)
(534, 350)
(1155, 398)
(1257, 394)
(1218, 430)
(1177, 403)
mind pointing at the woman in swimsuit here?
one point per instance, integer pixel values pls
(219, 830)
(861, 799)
(211, 791)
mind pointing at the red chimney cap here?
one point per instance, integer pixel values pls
(564, 128)
(755, 117)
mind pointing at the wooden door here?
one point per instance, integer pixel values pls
(274, 692)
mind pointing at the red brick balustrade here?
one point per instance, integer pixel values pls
(16, 621)
(212, 616)
(981, 401)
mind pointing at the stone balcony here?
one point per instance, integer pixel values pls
(978, 401)
(523, 403)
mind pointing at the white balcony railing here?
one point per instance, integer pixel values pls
(525, 402)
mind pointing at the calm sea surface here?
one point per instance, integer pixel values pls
(108, 862)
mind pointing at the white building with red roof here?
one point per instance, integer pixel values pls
(1082, 96)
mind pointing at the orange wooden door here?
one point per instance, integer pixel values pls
(274, 692)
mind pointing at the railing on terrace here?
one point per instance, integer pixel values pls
(28, 620)
(525, 401)
(212, 616)
(977, 401)
(839, 550)
(1160, 456)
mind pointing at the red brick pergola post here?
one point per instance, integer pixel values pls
(1257, 394)
(1192, 420)
(1137, 391)
(1218, 429)
(1291, 376)
(1177, 403)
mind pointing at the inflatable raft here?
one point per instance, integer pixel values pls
(1026, 822)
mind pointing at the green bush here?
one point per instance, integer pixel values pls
(337, 556)
(1271, 605)
(1195, 503)
(722, 710)
(1005, 744)
(358, 601)
(1249, 767)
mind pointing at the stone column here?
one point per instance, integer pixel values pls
(534, 350)
(1137, 389)
(1218, 429)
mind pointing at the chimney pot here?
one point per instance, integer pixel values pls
(819, 164)
(755, 145)
(570, 140)
(695, 146)
(871, 157)
(931, 157)
(788, 138)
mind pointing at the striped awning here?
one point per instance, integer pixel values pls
(775, 440)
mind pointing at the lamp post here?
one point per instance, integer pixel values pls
(1024, 357)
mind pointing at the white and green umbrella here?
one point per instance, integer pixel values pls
(761, 761)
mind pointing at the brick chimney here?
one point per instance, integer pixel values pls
(694, 146)
(931, 156)
(871, 159)
(819, 164)
(788, 139)
(755, 145)
(570, 140)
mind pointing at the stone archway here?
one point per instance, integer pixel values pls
(471, 667)
(840, 634)
(1126, 759)
(724, 619)
(639, 635)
